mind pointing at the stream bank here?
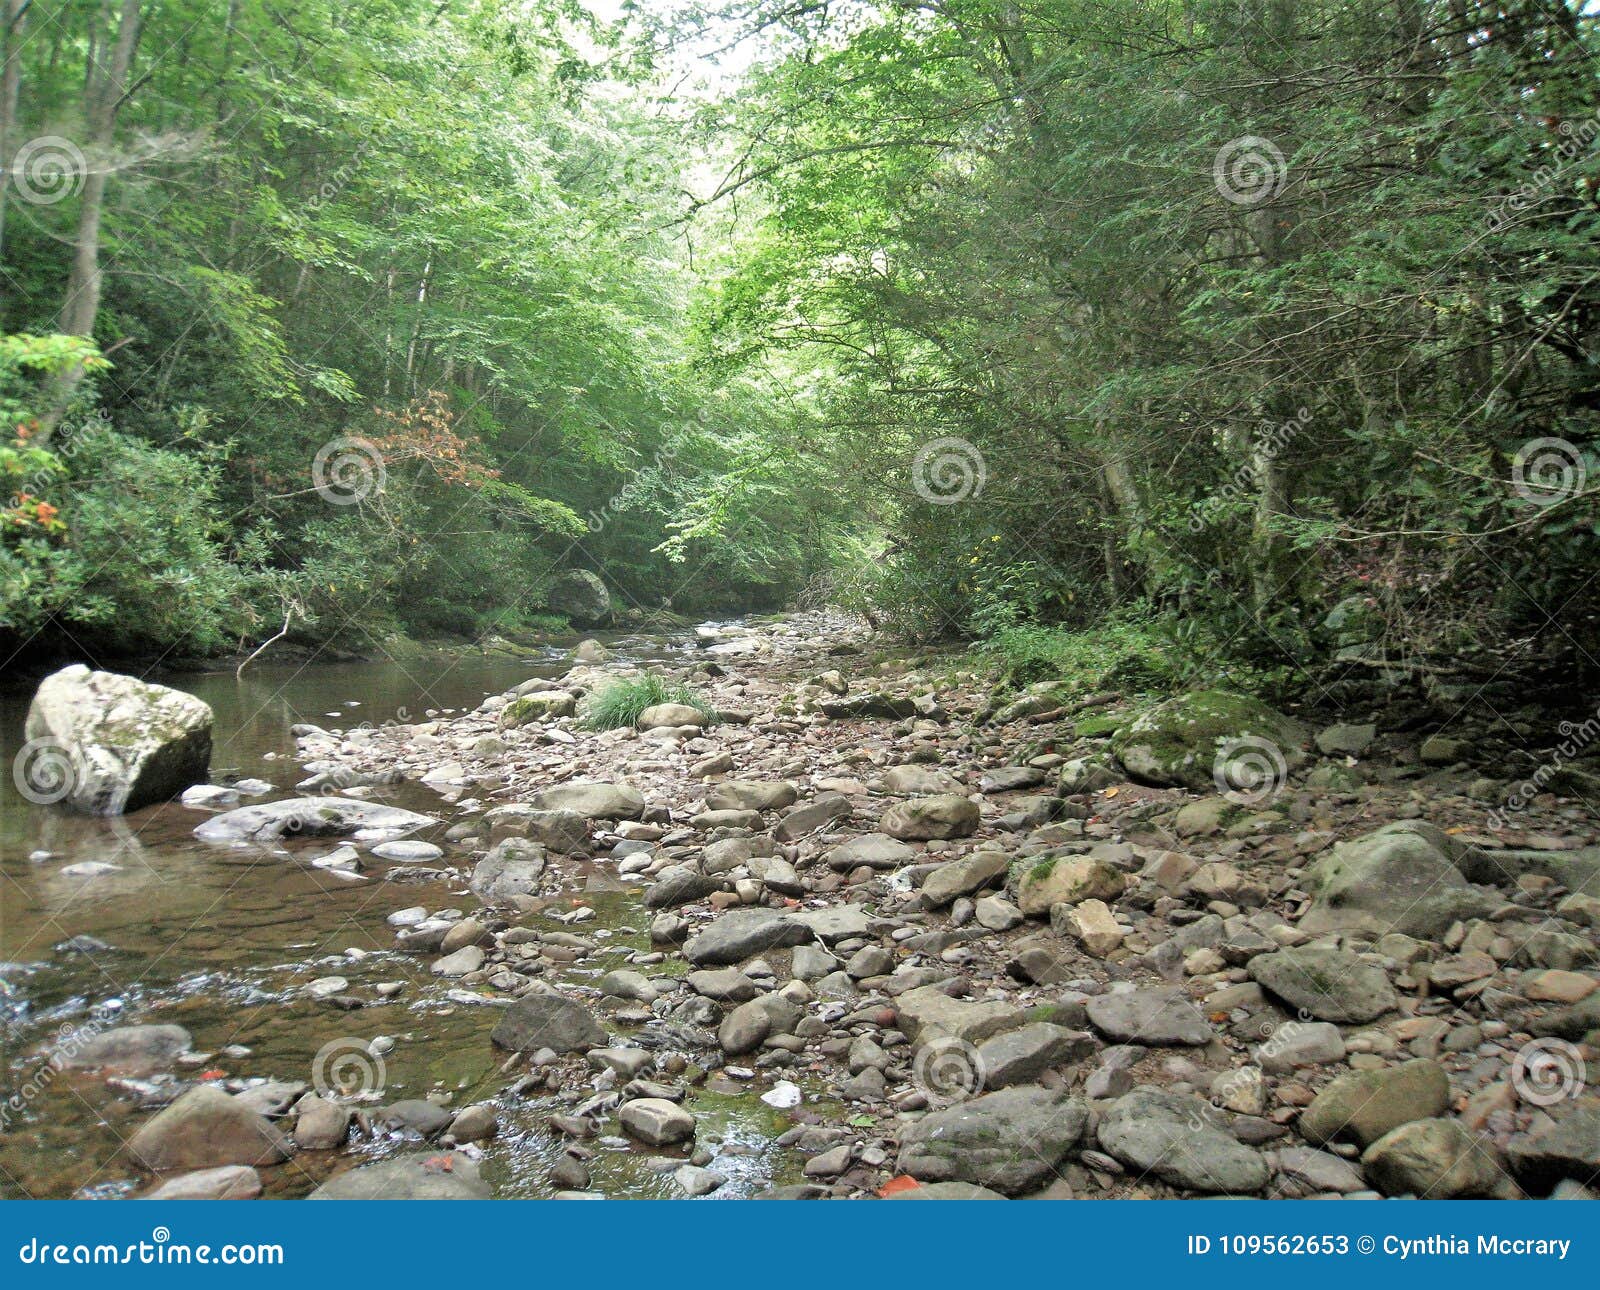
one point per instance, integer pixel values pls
(871, 926)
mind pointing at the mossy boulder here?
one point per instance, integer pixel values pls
(1067, 880)
(1405, 877)
(1179, 743)
(543, 705)
(103, 743)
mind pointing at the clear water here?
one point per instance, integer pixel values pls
(224, 944)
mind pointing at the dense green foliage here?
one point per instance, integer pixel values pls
(420, 255)
(1230, 312)
(1266, 328)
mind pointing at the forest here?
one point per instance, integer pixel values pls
(1225, 335)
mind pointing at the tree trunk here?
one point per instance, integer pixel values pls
(16, 21)
(105, 90)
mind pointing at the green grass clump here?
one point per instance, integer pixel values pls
(1122, 655)
(619, 703)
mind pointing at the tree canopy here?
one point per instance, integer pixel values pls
(1238, 321)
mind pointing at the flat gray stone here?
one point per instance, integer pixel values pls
(1180, 1140)
(1155, 1017)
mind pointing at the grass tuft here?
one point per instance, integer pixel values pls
(618, 703)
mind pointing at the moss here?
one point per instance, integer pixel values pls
(1100, 726)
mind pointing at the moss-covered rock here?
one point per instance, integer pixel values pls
(1182, 742)
(542, 705)
(103, 743)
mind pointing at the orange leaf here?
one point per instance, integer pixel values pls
(905, 1182)
(218, 1073)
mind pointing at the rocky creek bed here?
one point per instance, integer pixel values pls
(873, 932)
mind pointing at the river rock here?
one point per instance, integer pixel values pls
(561, 831)
(1565, 1146)
(921, 781)
(1021, 1056)
(928, 1013)
(203, 1128)
(466, 960)
(743, 1029)
(946, 815)
(475, 1123)
(874, 850)
(1432, 1160)
(1180, 742)
(1179, 1139)
(580, 597)
(320, 1125)
(679, 885)
(1401, 878)
(541, 705)
(1330, 985)
(1091, 924)
(945, 1191)
(407, 851)
(308, 817)
(226, 1182)
(656, 1121)
(660, 716)
(1362, 1106)
(1066, 880)
(1012, 1141)
(835, 923)
(963, 877)
(513, 867)
(129, 1050)
(592, 800)
(538, 1021)
(1154, 1017)
(103, 743)
(1296, 1044)
(807, 818)
(420, 1176)
(751, 795)
(727, 985)
(742, 934)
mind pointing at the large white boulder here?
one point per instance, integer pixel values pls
(103, 743)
